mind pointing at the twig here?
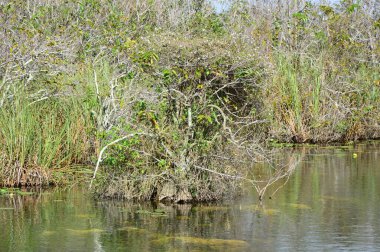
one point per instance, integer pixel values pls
(108, 145)
(223, 174)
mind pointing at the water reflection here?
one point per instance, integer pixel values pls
(331, 202)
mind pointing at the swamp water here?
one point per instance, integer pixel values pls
(330, 203)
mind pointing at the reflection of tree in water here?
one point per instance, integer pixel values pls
(342, 192)
(48, 220)
(198, 226)
(274, 172)
(277, 174)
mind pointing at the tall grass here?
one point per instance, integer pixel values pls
(316, 96)
(37, 137)
(287, 86)
(312, 102)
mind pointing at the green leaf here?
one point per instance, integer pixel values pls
(300, 16)
(352, 8)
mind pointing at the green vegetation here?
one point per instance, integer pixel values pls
(170, 98)
(13, 191)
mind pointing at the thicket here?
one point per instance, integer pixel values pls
(174, 100)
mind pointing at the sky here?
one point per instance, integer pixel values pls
(221, 5)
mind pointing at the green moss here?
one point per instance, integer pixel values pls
(85, 231)
(300, 206)
(214, 243)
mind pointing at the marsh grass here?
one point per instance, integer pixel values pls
(290, 90)
(38, 137)
(288, 103)
(311, 102)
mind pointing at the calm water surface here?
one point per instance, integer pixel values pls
(330, 203)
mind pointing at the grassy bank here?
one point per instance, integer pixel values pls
(187, 96)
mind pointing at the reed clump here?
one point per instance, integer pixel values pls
(37, 137)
